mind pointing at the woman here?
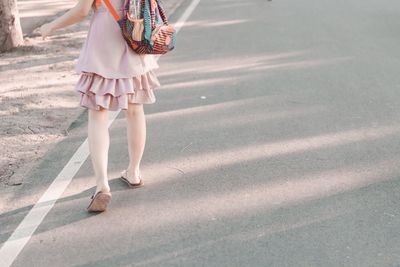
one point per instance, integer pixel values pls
(112, 77)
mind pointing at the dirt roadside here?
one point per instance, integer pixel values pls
(38, 103)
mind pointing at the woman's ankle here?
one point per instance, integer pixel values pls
(133, 170)
(103, 188)
(133, 174)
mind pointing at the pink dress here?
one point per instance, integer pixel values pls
(111, 74)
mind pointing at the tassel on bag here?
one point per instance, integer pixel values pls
(139, 26)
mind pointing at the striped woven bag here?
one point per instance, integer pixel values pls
(145, 35)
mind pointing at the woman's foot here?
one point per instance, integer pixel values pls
(99, 202)
(133, 177)
(133, 183)
(101, 197)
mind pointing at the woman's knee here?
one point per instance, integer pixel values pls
(101, 113)
(134, 109)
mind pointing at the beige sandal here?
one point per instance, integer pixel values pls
(99, 201)
(124, 174)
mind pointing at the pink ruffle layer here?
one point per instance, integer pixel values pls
(114, 94)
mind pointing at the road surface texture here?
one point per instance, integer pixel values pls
(274, 142)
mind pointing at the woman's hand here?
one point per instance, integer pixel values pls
(72, 16)
(46, 30)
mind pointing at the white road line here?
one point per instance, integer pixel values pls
(24, 231)
(181, 21)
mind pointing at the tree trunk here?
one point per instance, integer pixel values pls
(10, 26)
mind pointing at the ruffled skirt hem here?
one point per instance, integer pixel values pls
(113, 94)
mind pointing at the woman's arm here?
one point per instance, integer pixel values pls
(72, 16)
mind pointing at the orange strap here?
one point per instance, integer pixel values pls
(110, 7)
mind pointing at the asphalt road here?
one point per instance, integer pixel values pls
(273, 142)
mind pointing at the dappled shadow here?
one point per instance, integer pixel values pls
(38, 62)
(34, 13)
(296, 232)
(251, 210)
(268, 192)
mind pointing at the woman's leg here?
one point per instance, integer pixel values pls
(136, 133)
(99, 141)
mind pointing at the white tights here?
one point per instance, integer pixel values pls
(99, 142)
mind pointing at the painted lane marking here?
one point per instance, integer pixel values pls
(185, 16)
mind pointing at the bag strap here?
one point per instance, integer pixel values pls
(150, 13)
(158, 10)
(151, 10)
(111, 8)
(162, 12)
